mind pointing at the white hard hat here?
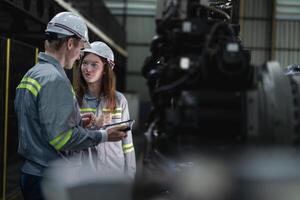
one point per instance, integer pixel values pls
(103, 50)
(68, 24)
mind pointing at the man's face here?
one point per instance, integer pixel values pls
(73, 52)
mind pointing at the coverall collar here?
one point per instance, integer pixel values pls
(43, 57)
(89, 96)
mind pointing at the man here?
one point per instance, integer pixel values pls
(46, 107)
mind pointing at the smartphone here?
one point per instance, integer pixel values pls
(129, 124)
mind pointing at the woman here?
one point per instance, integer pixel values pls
(97, 93)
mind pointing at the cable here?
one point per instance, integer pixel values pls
(218, 11)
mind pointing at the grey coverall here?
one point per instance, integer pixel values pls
(110, 157)
(49, 117)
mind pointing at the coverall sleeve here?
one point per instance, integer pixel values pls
(127, 143)
(60, 118)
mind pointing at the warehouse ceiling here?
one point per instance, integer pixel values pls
(26, 20)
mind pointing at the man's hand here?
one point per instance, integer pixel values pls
(116, 133)
(88, 119)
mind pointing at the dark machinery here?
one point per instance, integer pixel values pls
(204, 89)
(206, 95)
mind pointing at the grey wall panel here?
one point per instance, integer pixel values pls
(288, 34)
(257, 8)
(287, 42)
(295, 57)
(136, 57)
(258, 57)
(133, 100)
(248, 8)
(256, 33)
(138, 84)
(286, 58)
(256, 26)
(297, 39)
(280, 27)
(282, 58)
(140, 29)
(245, 36)
(256, 37)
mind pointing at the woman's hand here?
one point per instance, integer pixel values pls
(104, 119)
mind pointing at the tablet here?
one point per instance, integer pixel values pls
(129, 124)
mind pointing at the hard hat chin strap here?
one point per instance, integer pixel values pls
(111, 63)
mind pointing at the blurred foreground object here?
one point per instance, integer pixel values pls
(66, 180)
(248, 174)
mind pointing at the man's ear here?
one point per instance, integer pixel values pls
(70, 42)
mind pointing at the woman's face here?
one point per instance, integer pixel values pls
(92, 68)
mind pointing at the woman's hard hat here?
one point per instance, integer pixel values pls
(103, 50)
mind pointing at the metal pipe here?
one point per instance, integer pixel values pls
(6, 117)
(36, 54)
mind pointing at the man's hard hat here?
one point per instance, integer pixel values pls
(68, 24)
(103, 50)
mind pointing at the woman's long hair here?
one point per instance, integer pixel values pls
(108, 85)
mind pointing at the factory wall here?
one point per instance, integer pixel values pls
(15, 59)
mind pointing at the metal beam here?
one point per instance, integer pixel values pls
(94, 28)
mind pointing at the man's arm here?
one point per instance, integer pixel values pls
(60, 119)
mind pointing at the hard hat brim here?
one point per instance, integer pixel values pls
(110, 62)
(59, 31)
(91, 51)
